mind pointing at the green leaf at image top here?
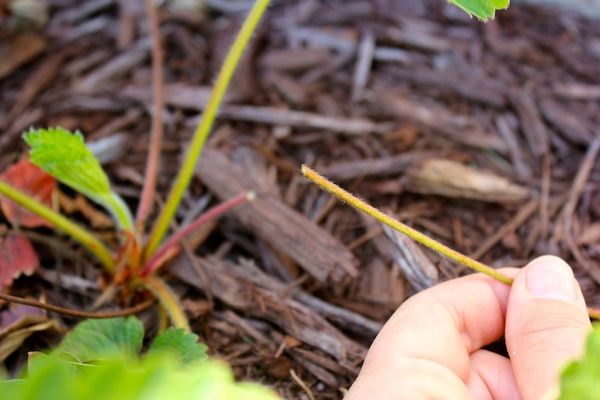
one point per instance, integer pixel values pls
(580, 379)
(184, 344)
(98, 339)
(65, 156)
(482, 9)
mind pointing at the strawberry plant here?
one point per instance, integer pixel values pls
(133, 265)
(100, 351)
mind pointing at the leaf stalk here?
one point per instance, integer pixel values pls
(204, 127)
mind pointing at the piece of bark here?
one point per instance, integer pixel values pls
(590, 234)
(243, 287)
(418, 270)
(571, 125)
(294, 60)
(459, 128)
(265, 115)
(531, 122)
(385, 166)
(18, 49)
(453, 179)
(578, 91)
(379, 286)
(319, 253)
(366, 51)
(114, 68)
(472, 89)
(506, 130)
(509, 227)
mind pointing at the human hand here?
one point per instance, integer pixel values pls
(431, 348)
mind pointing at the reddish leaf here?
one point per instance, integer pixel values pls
(32, 180)
(17, 257)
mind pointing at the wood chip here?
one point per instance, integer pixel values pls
(319, 253)
(453, 179)
(18, 50)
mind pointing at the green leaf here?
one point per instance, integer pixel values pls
(65, 156)
(156, 377)
(482, 9)
(93, 340)
(184, 344)
(580, 378)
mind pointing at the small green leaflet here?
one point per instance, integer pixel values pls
(180, 342)
(97, 339)
(65, 156)
(580, 378)
(482, 9)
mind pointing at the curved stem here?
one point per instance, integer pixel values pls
(159, 257)
(119, 210)
(203, 129)
(168, 301)
(83, 236)
(157, 118)
(78, 313)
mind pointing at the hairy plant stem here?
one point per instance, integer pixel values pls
(393, 223)
(80, 234)
(170, 246)
(156, 135)
(78, 313)
(204, 127)
(168, 300)
(400, 227)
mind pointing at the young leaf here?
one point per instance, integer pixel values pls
(93, 340)
(482, 9)
(580, 378)
(65, 156)
(179, 342)
(29, 179)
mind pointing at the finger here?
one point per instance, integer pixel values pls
(492, 377)
(414, 379)
(442, 326)
(546, 325)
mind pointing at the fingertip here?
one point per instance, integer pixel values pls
(546, 323)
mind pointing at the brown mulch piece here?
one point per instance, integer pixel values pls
(412, 105)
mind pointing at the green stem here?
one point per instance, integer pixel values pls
(119, 210)
(393, 223)
(400, 227)
(168, 301)
(204, 127)
(83, 236)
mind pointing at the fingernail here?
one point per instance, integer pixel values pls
(551, 278)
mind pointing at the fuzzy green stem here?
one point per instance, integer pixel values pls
(393, 223)
(168, 300)
(86, 238)
(400, 227)
(204, 127)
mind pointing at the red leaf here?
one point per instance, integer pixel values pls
(32, 180)
(17, 257)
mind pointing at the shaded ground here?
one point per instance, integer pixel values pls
(367, 92)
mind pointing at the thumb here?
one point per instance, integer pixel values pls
(546, 324)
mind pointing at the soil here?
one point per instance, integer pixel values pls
(484, 136)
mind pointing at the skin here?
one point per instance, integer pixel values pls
(432, 347)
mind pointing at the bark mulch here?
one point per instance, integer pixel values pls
(484, 136)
